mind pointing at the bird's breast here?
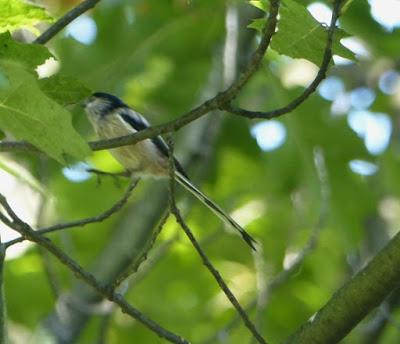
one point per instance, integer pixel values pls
(142, 158)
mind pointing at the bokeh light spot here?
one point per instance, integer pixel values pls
(362, 98)
(362, 167)
(374, 128)
(386, 13)
(331, 88)
(389, 82)
(83, 29)
(320, 12)
(77, 173)
(269, 135)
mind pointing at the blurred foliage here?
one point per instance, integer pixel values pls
(160, 56)
(15, 14)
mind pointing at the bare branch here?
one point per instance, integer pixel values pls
(26, 231)
(134, 267)
(83, 222)
(351, 303)
(65, 20)
(308, 91)
(217, 276)
(283, 276)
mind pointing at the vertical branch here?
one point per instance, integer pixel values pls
(3, 309)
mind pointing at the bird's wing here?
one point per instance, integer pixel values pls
(138, 122)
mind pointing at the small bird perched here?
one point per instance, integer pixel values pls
(111, 118)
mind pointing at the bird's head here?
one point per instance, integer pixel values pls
(101, 104)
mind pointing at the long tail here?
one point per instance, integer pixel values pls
(215, 209)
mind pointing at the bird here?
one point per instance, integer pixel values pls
(111, 117)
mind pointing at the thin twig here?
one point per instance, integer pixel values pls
(308, 91)
(134, 267)
(283, 276)
(83, 222)
(217, 276)
(65, 20)
(213, 103)
(26, 231)
(124, 174)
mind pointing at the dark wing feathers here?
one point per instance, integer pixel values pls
(138, 123)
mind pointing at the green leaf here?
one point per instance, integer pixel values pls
(17, 14)
(64, 89)
(30, 115)
(31, 55)
(300, 35)
(261, 4)
(257, 24)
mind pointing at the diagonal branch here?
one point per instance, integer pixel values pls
(327, 57)
(351, 303)
(14, 222)
(136, 264)
(217, 276)
(213, 103)
(283, 276)
(65, 20)
(83, 222)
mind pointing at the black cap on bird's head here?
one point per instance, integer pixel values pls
(109, 98)
(102, 103)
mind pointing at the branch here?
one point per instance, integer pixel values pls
(308, 91)
(3, 309)
(284, 276)
(65, 20)
(374, 330)
(135, 265)
(83, 222)
(350, 304)
(214, 103)
(217, 276)
(14, 222)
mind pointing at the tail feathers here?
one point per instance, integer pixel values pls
(215, 209)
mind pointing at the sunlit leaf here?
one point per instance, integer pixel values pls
(300, 35)
(17, 14)
(261, 4)
(30, 115)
